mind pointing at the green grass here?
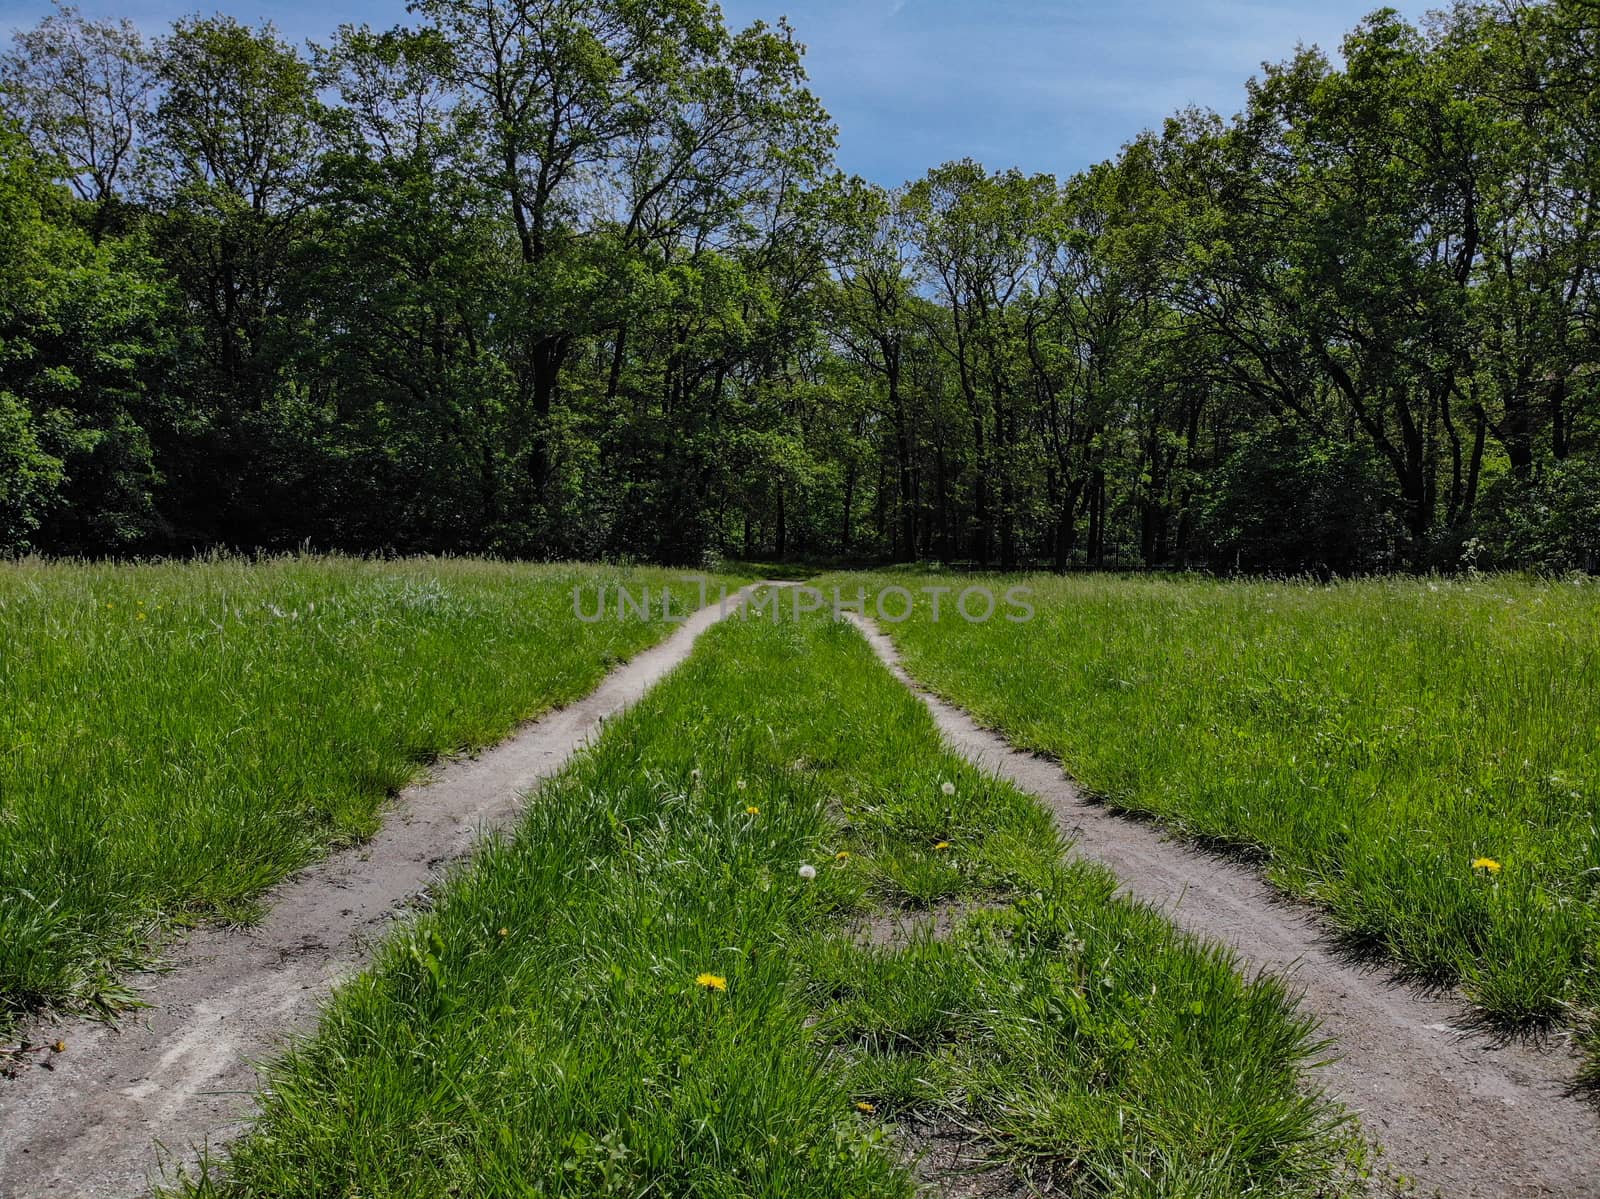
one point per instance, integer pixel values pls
(175, 738)
(1367, 742)
(541, 1031)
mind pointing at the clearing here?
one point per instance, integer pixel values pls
(767, 935)
(657, 985)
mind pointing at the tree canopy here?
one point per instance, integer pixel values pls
(549, 278)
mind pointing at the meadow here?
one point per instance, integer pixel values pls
(1419, 758)
(176, 738)
(666, 982)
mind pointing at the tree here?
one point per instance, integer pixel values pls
(81, 349)
(552, 278)
(976, 250)
(234, 161)
(82, 89)
(872, 314)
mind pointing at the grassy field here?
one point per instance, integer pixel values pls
(175, 738)
(1420, 758)
(659, 984)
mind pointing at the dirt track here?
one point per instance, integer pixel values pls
(123, 1102)
(1457, 1112)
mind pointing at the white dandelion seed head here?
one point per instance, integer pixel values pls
(808, 872)
(740, 785)
(949, 789)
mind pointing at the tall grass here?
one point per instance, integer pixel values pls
(642, 992)
(174, 738)
(1368, 742)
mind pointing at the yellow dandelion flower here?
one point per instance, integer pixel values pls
(1489, 864)
(842, 856)
(505, 932)
(140, 616)
(711, 982)
(864, 1106)
(752, 810)
(941, 847)
(59, 1047)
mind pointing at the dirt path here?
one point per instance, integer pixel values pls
(123, 1102)
(1456, 1112)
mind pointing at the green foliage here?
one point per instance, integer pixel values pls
(83, 90)
(1552, 526)
(81, 345)
(29, 477)
(546, 278)
(1284, 502)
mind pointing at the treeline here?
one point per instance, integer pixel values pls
(578, 278)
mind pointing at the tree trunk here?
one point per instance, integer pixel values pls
(1097, 520)
(1560, 426)
(1066, 534)
(906, 547)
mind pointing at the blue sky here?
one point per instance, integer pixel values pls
(1047, 85)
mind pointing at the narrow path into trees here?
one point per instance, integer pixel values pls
(1457, 1111)
(124, 1103)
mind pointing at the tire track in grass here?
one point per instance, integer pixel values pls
(653, 986)
(1458, 1112)
(122, 1102)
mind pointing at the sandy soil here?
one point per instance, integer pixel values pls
(1461, 1113)
(125, 1103)
(955, 1163)
(895, 929)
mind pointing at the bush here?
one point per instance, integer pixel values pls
(1551, 525)
(1292, 502)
